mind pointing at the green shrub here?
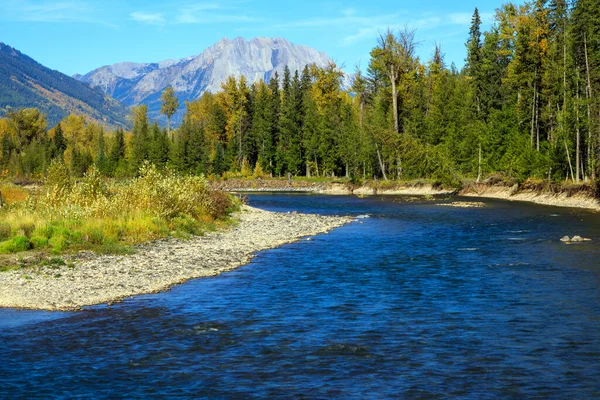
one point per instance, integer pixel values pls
(58, 243)
(15, 245)
(187, 225)
(54, 262)
(39, 242)
(115, 248)
(93, 235)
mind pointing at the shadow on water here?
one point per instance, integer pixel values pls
(418, 301)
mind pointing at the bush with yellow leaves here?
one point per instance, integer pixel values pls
(95, 213)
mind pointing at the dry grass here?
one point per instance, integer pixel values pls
(109, 217)
(13, 194)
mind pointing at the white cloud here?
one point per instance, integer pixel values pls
(195, 18)
(147, 18)
(345, 20)
(193, 13)
(363, 26)
(52, 11)
(349, 12)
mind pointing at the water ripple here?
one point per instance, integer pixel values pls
(418, 301)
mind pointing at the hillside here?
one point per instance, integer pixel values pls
(256, 59)
(26, 83)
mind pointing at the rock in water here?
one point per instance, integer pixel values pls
(574, 239)
(578, 238)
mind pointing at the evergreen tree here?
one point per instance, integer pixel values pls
(178, 158)
(473, 65)
(101, 160)
(284, 124)
(196, 154)
(275, 106)
(310, 133)
(59, 141)
(80, 162)
(139, 138)
(117, 162)
(218, 163)
(585, 45)
(8, 148)
(290, 145)
(158, 152)
(261, 126)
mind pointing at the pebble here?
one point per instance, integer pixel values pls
(102, 279)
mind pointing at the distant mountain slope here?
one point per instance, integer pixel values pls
(26, 83)
(259, 58)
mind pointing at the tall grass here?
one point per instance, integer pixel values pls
(106, 216)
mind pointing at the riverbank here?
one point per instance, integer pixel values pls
(329, 187)
(552, 195)
(548, 197)
(157, 266)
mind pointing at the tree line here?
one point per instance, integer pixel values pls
(525, 105)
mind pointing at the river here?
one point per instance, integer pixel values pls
(418, 301)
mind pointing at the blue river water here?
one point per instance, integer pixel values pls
(418, 301)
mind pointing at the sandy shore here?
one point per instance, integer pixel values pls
(330, 188)
(560, 199)
(159, 265)
(548, 199)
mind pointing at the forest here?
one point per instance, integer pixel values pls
(525, 105)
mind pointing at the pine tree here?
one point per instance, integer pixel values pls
(283, 124)
(585, 44)
(473, 65)
(117, 162)
(101, 159)
(218, 163)
(8, 148)
(261, 125)
(275, 105)
(60, 144)
(158, 151)
(178, 157)
(291, 127)
(139, 139)
(196, 155)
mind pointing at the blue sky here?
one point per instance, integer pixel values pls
(76, 36)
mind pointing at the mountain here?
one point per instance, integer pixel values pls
(26, 83)
(259, 58)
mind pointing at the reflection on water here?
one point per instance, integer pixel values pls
(418, 301)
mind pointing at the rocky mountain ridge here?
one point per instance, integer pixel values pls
(26, 83)
(258, 58)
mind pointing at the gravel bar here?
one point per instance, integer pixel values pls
(156, 266)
